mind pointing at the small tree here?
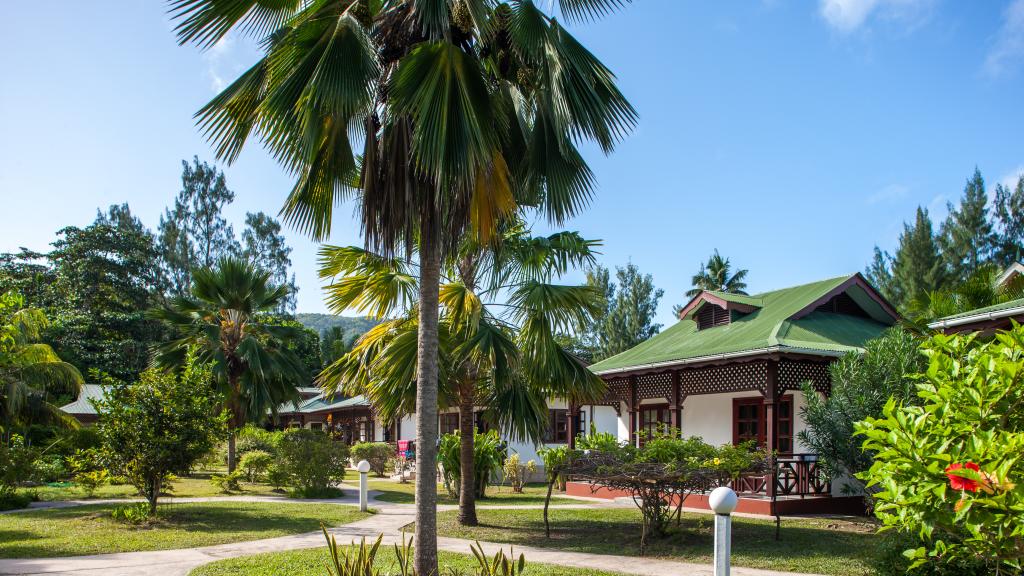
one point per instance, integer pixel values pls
(378, 454)
(313, 461)
(861, 385)
(255, 464)
(158, 426)
(951, 471)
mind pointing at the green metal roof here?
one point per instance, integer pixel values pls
(322, 403)
(770, 328)
(738, 298)
(82, 404)
(1003, 306)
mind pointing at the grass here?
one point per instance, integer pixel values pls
(398, 493)
(311, 563)
(190, 487)
(91, 530)
(825, 546)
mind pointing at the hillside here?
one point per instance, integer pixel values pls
(353, 325)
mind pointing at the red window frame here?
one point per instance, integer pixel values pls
(751, 414)
(448, 423)
(653, 419)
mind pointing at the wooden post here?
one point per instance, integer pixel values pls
(570, 425)
(634, 424)
(675, 405)
(771, 414)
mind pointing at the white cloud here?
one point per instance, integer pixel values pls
(1010, 178)
(888, 193)
(214, 58)
(1008, 49)
(849, 15)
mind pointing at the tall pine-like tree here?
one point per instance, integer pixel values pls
(917, 267)
(194, 233)
(265, 246)
(966, 237)
(1009, 223)
(879, 274)
(628, 317)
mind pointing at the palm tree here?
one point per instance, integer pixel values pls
(463, 109)
(506, 356)
(716, 275)
(979, 290)
(253, 367)
(31, 373)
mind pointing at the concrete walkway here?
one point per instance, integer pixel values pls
(389, 520)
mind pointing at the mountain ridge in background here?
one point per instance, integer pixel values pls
(352, 325)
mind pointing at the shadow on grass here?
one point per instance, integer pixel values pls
(91, 530)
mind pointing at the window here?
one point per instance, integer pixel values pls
(750, 422)
(482, 425)
(711, 315)
(449, 423)
(654, 420)
(581, 423)
(319, 426)
(558, 427)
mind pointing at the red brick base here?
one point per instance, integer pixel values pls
(784, 506)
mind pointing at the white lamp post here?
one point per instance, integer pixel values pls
(723, 501)
(363, 467)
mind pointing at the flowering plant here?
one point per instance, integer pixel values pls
(949, 470)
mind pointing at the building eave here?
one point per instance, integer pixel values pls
(723, 356)
(973, 318)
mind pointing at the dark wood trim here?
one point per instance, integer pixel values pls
(855, 280)
(777, 355)
(715, 300)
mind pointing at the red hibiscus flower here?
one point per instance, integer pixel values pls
(959, 482)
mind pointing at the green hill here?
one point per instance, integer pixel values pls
(353, 325)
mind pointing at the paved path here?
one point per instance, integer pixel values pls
(389, 520)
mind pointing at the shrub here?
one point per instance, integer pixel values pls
(277, 476)
(378, 454)
(361, 561)
(158, 426)
(889, 560)
(554, 460)
(312, 461)
(49, 468)
(16, 463)
(861, 385)
(252, 439)
(131, 513)
(227, 483)
(488, 455)
(14, 501)
(91, 481)
(255, 463)
(951, 471)
(516, 473)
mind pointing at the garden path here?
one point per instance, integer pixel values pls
(389, 520)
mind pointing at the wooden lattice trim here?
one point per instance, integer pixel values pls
(792, 375)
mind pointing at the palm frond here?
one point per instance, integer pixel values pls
(206, 22)
(369, 283)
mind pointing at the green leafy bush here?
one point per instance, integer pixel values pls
(488, 456)
(951, 471)
(889, 560)
(255, 463)
(91, 481)
(17, 461)
(554, 460)
(313, 461)
(132, 513)
(517, 473)
(277, 476)
(227, 483)
(14, 501)
(378, 454)
(252, 438)
(158, 426)
(49, 468)
(361, 560)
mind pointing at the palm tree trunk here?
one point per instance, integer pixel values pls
(425, 540)
(467, 470)
(231, 451)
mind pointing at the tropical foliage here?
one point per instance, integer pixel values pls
(626, 315)
(862, 384)
(951, 470)
(500, 346)
(31, 374)
(717, 275)
(980, 290)
(255, 371)
(488, 455)
(377, 454)
(312, 461)
(465, 110)
(161, 425)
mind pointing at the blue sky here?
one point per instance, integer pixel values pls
(792, 136)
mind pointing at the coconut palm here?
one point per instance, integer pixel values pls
(461, 109)
(31, 373)
(717, 275)
(506, 356)
(220, 320)
(979, 290)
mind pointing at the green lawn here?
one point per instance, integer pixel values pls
(398, 493)
(180, 488)
(90, 529)
(311, 563)
(825, 546)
